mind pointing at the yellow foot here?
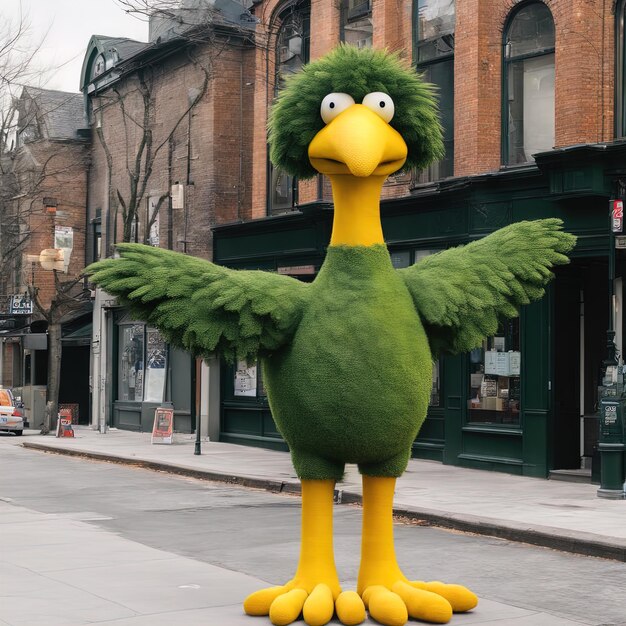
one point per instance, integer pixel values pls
(430, 602)
(284, 605)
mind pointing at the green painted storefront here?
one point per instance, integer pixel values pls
(550, 422)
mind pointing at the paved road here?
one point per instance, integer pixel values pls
(88, 542)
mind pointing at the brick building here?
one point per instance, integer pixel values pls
(170, 161)
(46, 176)
(532, 104)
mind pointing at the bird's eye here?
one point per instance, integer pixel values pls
(381, 103)
(334, 104)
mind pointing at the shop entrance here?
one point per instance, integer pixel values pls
(580, 323)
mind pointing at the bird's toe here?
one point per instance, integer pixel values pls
(350, 608)
(286, 608)
(385, 606)
(460, 598)
(424, 605)
(319, 606)
(259, 602)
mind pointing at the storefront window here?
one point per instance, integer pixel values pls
(130, 374)
(495, 378)
(156, 369)
(142, 364)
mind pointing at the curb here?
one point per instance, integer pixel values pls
(576, 542)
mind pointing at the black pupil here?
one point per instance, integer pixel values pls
(382, 104)
(331, 105)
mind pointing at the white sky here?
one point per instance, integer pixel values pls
(71, 24)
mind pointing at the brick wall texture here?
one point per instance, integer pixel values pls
(57, 170)
(218, 150)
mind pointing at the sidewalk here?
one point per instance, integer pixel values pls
(560, 515)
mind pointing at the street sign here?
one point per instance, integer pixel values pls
(163, 425)
(617, 215)
(64, 424)
(21, 305)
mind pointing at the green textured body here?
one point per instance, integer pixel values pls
(353, 384)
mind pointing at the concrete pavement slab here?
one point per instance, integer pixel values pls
(31, 599)
(165, 585)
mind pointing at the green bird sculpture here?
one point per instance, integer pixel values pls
(347, 359)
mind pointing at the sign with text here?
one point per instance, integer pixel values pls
(163, 425)
(20, 305)
(64, 424)
(617, 215)
(245, 379)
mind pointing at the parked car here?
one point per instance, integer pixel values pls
(11, 416)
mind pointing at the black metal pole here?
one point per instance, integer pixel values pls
(611, 357)
(196, 377)
(198, 446)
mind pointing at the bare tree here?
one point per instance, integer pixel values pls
(143, 146)
(31, 165)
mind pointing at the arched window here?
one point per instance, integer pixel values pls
(528, 98)
(620, 72)
(434, 57)
(292, 52)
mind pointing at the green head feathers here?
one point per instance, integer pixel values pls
(295, 117)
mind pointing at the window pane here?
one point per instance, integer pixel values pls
(495, 378)
(358, 32)
(531, 107)
(531, 30)
(281, 191)
(400, 259)
(435, 18)
(435, 48)
(130, 375)
(292, 52)
(441, 74)
(155, 366)
(356, 23)
(292, 47)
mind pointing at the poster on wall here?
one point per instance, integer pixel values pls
(245, 380)
(163, 425)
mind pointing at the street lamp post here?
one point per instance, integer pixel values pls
(612, 403)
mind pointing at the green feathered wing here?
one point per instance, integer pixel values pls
(461, 293)
(202, 307)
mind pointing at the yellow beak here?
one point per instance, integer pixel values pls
(358, 142)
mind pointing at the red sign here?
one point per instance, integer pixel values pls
(617, 215)
(64, 423)
(163, 425)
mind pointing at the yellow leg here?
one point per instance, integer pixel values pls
(389, 595)
(315, 589)
(378, 555)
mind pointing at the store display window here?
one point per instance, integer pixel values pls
(495, 372)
